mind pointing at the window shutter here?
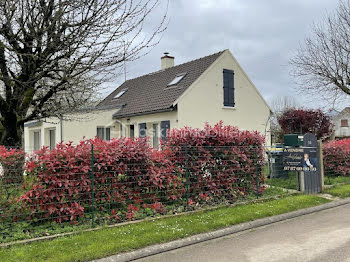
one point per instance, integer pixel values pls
(229, 93)
(344, 123)
(164, 127)
(142, 130)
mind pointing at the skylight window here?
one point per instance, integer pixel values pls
(176, 80)
(120, 93)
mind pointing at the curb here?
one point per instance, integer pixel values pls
(160, 248)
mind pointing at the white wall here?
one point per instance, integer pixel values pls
(74, 128)
(203, 102)
(149, 120)
(84, 125)
(43, 128)
(340, 131)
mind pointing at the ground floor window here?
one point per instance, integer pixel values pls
(104, 133)
(164, 127)
(142, 130)
(36, 140)
(52, 138)
(132, 131)
(155, 136)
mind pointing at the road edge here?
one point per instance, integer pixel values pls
(160, 248)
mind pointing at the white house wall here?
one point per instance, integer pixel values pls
(203, 101)
(85, 125)
(340, 131)
(149, 119)
(43, 128)
(78, 127)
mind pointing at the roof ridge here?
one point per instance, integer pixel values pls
(162, 70)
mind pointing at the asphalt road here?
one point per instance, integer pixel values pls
(318, 237)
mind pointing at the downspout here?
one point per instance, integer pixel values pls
(61, 129)
(267, 122)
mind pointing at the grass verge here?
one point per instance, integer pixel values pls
(339, 191)
(328, 180)
(22, 230)
(109, 241)
(289, 182)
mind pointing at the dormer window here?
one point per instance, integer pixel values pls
(177, 79)
(122, 92)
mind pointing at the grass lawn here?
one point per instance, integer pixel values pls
(339, 191)
(289, 182)
(336, 180)
(109, 241)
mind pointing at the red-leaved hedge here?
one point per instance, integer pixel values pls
(217, 163)
(222, 161)
(11, 169)
(336, 158)
(127, 174)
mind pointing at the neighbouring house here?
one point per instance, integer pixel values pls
(341, 123)
(210, 89)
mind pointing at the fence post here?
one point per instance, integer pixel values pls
(320, 147)
(186, 175)
(92, 187)
(257, 172)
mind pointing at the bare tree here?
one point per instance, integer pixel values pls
(279, 105)
(53, 53)
(322, 63)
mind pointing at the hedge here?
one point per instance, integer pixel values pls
(127, 174)
(222, 161)
(336, 158)
(194, 166)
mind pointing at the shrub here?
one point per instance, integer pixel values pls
(221, 161)
(131, 180)
(11, 165)
(336, 158)
(11, 181)
(304, 121)
(127, 175)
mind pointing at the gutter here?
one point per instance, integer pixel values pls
(172, 108)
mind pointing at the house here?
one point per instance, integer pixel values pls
(208, 89)
(341, 124)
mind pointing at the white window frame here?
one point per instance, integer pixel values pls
(157, 131)
(177, 79)
(104, 128)
(120, 93)
(39, 139)
(49, 131)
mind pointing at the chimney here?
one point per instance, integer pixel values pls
(167, 61)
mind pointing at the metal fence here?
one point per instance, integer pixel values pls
(53, 194)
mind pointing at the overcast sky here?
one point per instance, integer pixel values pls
(261, 34)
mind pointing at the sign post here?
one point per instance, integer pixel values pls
(306, 161)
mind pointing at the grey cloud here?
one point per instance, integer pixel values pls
(261, 34)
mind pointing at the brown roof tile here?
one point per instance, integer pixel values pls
(150, 93)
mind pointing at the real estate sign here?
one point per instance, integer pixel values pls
(305, 161)
(300, 159)
(293, 158)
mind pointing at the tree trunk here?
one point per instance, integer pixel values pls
(13, 133)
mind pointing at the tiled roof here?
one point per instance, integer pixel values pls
(150, 93)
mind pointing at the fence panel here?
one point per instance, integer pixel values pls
(55, 192)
